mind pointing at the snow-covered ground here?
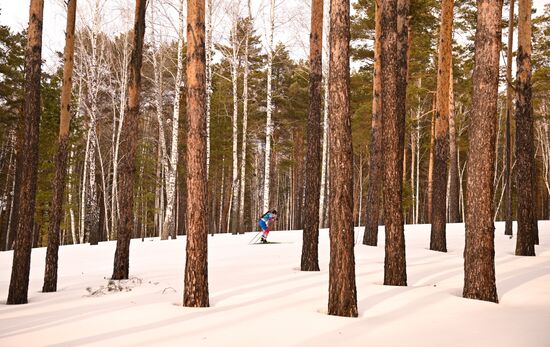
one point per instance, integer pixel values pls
(259, 297)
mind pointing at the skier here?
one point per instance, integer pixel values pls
(263, 223)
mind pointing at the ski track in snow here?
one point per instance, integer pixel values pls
(259, 297)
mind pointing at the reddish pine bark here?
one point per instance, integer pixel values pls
(342, 299)
(394, 61)
(28, 163)
(376, 149)
(310, 252)
(479, 251)
(56, 211)
(196, 265)
(438, 239)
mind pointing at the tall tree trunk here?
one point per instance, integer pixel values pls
(376, 149)
(454, 210)
(310, 251)
(245, 119)
(235, 189)
(129, 137)
(269, 122)
(169, 220)
(479, 251)
(91, 198)
(208, 44)
(115, 211)
(509, 111)
(342, 300)
(196, 265)
(525, 136)
(429, 204)
(56, 209)
(28, 163)
(393, 59)
(438, 239)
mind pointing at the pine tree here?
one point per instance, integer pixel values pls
(438, 239)
(479, 251)
(525, 153)
(393, 58)
(50, 275)
(196, 264)
(28, 163)
(342, 292)
(376, 145)
(310, 256)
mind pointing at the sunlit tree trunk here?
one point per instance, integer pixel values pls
(479, 251)
(342, 299)
(28, 163)
(196, 264)
(56, 209)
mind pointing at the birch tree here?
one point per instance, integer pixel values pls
(128, 146)
(269, 108)
(248, 29)
(169, 225)
(509, 110)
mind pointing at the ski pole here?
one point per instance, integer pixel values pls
(255, 237)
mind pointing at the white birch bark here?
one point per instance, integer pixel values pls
(208, 48)
(245, 116)
(104, 187)
(123, 83)
(169, 225)
(269, 125)
(92, 216)
(83, 191)
(234, 125)
(70, 197)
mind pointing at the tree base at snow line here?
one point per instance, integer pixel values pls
(480, 293)
(370, 237)
(438, 240)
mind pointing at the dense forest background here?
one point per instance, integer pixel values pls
(99, 94)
